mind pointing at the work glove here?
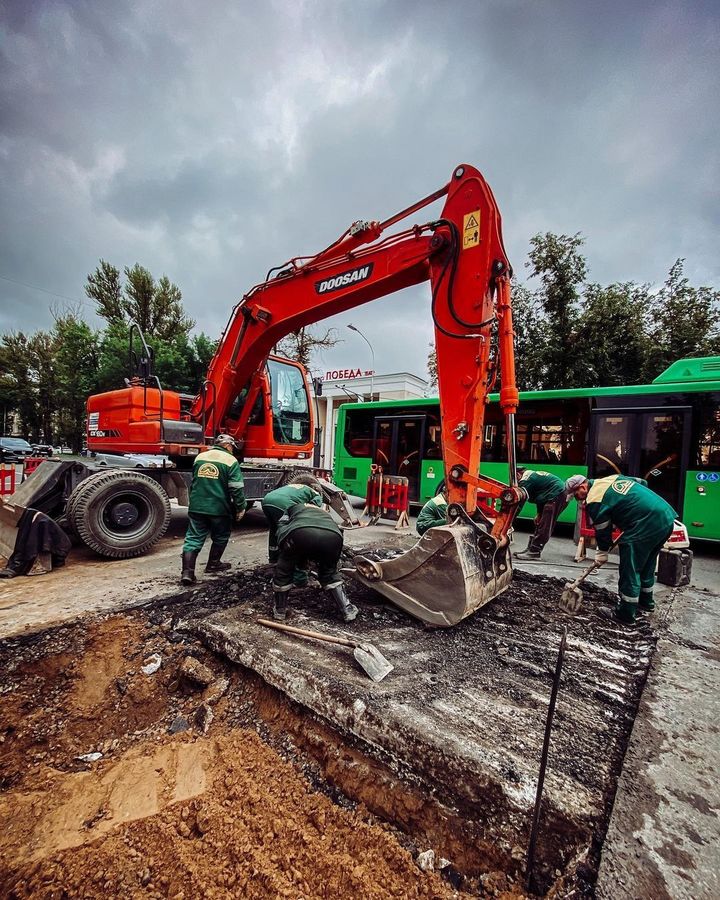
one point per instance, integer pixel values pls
(239, 515)
(601, 557)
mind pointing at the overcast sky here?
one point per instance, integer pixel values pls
(211, 141)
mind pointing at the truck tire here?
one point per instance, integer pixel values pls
(119, 513)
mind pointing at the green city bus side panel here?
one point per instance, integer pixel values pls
(351, 473)
(701, 508)
(432, 473)
(500, 472)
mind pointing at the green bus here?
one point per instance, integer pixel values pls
(667, 432)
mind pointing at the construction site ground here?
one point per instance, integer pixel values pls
(251, 763)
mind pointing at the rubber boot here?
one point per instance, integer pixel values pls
(213, 563)
(623, 613)
(188, 566)
(647, 603)
(281, 605)
(348, 610)
(528, 554)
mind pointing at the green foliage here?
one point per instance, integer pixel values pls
(685, 321)
(557, 261)
(155, 306)
(573, 333)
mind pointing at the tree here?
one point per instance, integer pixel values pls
(18, 389)
(684, 320)
(531, 338)
(76, 367)
(156, 306)
(557, 261)
(302, 344)
(612, 334)
(432, 365)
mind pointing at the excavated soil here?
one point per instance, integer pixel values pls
(100, 800)
(196, 779)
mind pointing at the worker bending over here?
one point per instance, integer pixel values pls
(549, 494)
(305, 533)
(434, 513)
(217, 496)
(646, 522)
(302, 489)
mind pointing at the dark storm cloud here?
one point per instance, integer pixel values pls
(210, 142)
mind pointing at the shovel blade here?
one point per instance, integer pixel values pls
(372, 661)
(452, 571)
(571, 600)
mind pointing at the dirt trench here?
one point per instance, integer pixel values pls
(200, 780)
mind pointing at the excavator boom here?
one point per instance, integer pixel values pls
(456, 568)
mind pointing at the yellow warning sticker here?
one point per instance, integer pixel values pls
(471, 229)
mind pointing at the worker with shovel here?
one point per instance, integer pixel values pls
(646, 522)
(304, 488)
(305, 533)
(548, 493)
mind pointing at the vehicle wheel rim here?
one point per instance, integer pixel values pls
(127, 515)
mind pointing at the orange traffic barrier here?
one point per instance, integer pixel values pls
(31, 463)
(7, 479)
(387, 497)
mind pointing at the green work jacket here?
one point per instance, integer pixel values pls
(434, 513)
(217, 486)
(279, 501)
(628, 504)
(304, 515)
(541, 487)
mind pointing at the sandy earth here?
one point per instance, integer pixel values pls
(211, 811)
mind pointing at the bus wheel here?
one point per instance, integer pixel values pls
(119, 514)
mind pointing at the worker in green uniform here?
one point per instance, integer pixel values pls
(217, 496)
(305, 533)
(302, 489)
(547, 492)
(646, 522)
(434, 513)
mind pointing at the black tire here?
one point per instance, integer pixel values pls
(119, 513)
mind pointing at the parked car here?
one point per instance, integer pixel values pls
(14, 450)
(42, 449)
(133, 460)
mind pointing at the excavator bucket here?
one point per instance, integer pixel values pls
(452, 571)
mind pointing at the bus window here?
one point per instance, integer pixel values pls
(358, 437)
(552, 432)
(612, 445)
(433, 437)
(707, 444)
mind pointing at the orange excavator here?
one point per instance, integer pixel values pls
(265, 402)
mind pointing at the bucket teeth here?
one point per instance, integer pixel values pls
(452, 571)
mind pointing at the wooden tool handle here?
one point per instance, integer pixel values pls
(316, 635)
(594, 565)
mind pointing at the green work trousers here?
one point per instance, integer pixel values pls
(303, 544)
(200, 526)
(638, 560)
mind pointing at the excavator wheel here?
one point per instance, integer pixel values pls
(119, 513)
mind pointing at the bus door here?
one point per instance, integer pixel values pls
(648, 443)
(398, 446)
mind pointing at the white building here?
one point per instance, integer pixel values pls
(353, 385)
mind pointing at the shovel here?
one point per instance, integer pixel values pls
(572, 596)
(368, 655)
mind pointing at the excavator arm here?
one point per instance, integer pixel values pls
(461, 254)
(463, 257)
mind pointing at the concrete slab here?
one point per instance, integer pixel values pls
(664, 835)
(463, 713)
